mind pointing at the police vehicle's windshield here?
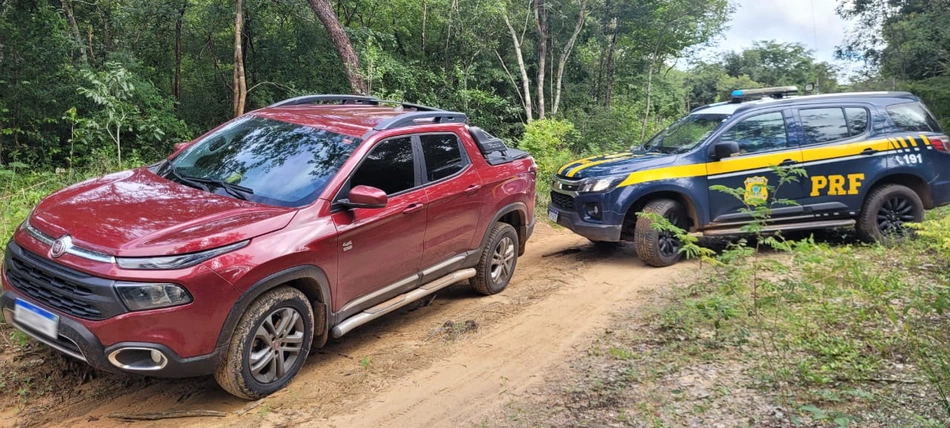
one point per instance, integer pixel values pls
(685, 134)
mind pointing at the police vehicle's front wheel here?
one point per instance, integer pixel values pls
(886, 212)
(660, 248)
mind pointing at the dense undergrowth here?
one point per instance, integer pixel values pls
(830, 327)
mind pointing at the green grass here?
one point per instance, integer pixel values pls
(829, 320)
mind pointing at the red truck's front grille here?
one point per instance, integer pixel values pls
(58, 287)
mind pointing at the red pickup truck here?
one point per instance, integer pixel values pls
(265, 237)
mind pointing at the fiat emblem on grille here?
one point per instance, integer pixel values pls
(61, 246)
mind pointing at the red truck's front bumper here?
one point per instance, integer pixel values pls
(183, 338)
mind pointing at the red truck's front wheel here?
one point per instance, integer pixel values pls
(270, 344)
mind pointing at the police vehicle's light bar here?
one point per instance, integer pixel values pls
(777, 92)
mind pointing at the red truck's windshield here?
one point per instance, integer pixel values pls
(264, 160)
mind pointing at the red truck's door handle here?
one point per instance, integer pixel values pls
(413, 208)
(473, 189)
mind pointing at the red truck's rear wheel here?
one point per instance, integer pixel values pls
(497, 263)
(269, 345)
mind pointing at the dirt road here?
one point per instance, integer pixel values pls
(453, 362)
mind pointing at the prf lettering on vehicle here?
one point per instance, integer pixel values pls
(872, 161)
(836, 185)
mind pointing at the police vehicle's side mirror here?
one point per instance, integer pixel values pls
(723, 150)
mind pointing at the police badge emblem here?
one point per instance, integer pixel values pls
(756, 191)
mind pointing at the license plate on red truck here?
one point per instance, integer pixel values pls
(36, 318)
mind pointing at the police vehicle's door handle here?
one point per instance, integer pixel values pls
(788, 162)
(869, 151)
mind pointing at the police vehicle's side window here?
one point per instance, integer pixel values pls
(857, 120)
(823, 125)
(912, 117)
(760, 133)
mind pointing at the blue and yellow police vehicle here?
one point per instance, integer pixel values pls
(874, 161)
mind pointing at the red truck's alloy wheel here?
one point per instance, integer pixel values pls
(498, 261)
(270, 344)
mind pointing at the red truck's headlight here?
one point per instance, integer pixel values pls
(139, 296)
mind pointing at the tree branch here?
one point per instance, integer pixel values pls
(511, 78)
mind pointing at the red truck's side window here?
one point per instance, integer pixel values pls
(442, 154)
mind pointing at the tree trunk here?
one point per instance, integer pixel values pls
(240, 84)
(74, 29)
(646, 115)
(608, 87)
(92, 53)
(541, 22)
(176, 83)
(351, 62)
(106, 29)
(525, 82)
(425, 18)
(565, 54)
(653, 64)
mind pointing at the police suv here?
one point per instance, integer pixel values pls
(874, 161)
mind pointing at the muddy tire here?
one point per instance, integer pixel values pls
(497, 263)
(269, 345)
(655, 248)
(886, 212)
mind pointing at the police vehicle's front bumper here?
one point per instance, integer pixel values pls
(592, 231)
(584, 214)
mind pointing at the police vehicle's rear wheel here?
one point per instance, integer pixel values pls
(660, 248)
(886, 213)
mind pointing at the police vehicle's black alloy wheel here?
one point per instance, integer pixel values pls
(656, 248)
(887, 211)
(893, 214)
(669, 244)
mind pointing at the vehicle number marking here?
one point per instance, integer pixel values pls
(909, 159)
(552, 215)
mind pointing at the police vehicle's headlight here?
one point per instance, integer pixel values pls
(595, 185)
(175, 262)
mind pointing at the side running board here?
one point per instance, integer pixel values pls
(779, 227)
(399, 301)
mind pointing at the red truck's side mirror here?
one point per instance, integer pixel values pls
(366, 197)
